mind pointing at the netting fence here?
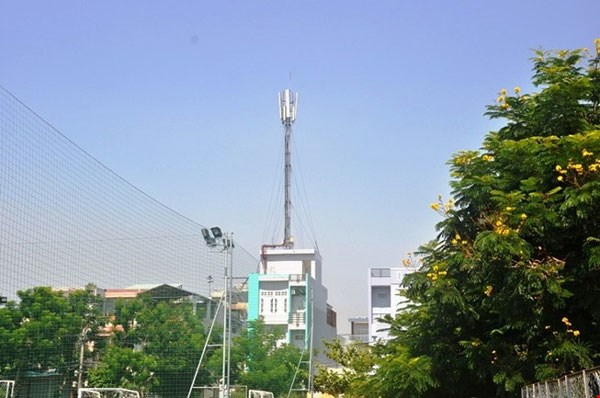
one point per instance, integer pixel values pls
(584, 384)
(99, 283)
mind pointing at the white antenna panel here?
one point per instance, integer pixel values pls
(288, 106)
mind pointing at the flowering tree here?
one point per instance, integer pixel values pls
(508, 293)
(397, 374)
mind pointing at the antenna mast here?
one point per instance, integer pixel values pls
(288, 105)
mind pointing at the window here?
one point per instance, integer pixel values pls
(273, 305)
(380, 272)
(381, 296)
(262, 305)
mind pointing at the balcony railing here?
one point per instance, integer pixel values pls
(297, 318)
(297, 277)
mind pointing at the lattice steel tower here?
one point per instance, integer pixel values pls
(288, 106)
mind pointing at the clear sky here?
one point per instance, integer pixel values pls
(180, 99)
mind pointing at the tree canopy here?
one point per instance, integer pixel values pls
(507, 294)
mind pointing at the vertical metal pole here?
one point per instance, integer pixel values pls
(311, 339)
(82, 337)
(225, 382)
(287, 241)
(80, 370)
(229, 254)
(288, 103)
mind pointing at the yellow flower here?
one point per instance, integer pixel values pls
(565, 320)
(576, 333)
(488, 158)
(523, 216)
(504, 106)
(454, 242)
(435, 206)
(578, 167)
(499, 223)
(503, 91)
(509, 208)
(560, 178)
(488, 290)
(586, 153)
(558, 167)
(517, 90)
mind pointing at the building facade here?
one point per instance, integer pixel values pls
(384, 284)
(288, 293)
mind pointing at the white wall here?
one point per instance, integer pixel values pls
(382, 281)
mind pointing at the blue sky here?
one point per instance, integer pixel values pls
(180, 99)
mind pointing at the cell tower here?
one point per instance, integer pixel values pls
(288, 106)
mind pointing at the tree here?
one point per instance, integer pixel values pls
(374, 371)
(43, 331)
(156, 350)
(507, 294)
(357, 361)
(125, 368)
(260, 361)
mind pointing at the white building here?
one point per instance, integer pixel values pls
(384, 299)
(288, 293)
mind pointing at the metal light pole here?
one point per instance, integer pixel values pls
(216, 239)
(228, 249)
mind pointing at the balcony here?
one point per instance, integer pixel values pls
(297, 320)
(297, 279)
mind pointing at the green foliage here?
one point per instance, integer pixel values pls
(374, 371)
(356, 360)
(261, 362)
(125, 368)
(157, 349)
(508, 292)
(43, 330)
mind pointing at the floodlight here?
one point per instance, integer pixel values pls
(216, 231)
(210, 241)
